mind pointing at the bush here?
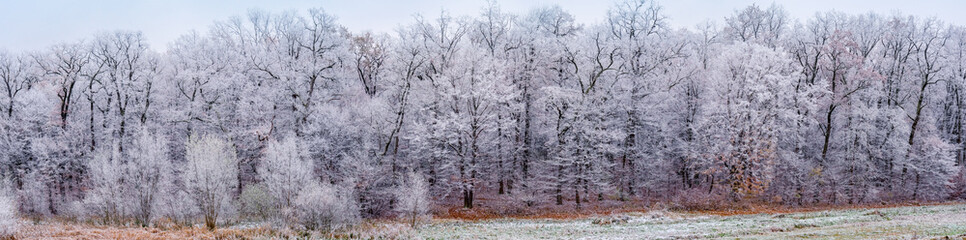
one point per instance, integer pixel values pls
(74, 211)
(322, 206)
(413, 198)
(149, 174)
(698, 199)
(284, 171)
(34, 199)
(107, 198)
(210, 176)
(8, 214)
(255, 203)
(130, 185)
(178, 207)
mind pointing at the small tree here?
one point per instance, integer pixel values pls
(210, 176)
(8, 213)
(131, 184)
(323, 206)
(285, 171)
(255, 203)
(177, 205)
(107, 196)
(33, 196)
(413, 198)
(933, 166)
(149, 174)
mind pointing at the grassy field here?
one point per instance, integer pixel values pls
(883, 223)
(918, 222)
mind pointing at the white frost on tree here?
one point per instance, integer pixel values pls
(412, 198)
(285, 171)
(9, 219)
(323, 206)
(210, 176)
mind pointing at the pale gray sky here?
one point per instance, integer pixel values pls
(27, 25)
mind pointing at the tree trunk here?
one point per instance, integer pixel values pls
(467, 198)
(577, 197)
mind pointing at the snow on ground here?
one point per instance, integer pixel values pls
(884, 223)
(900, 223)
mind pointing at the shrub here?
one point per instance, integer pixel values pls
(74, 211)
(210, 176)
(322, 206)
(8, 214)
(413, 198)
(178, 207)
(255, 203)
(34, 200)
(130, 185)
(698, 199)
(284, 171)
(106, 199)
(149, 175)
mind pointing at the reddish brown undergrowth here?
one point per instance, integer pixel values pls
(781, 209)
(496, 208)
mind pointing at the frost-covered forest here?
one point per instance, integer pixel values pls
(290, 117)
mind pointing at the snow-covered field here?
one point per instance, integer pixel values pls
(923, 222)
(885, 223)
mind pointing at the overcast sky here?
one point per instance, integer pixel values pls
(35, 24)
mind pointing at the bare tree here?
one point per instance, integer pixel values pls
(15, 78)
(210, 176)
(63, 66)
(413, 198)
(8, 211)
(285, 171)
(753, 24)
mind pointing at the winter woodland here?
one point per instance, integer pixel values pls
(290, 117)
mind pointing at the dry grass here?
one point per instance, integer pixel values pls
(487, 209)
(499, 208)
(61, 230)
(783, 209)
(915, 222)
(379, 229)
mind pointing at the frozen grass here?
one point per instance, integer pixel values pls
(903, 223)
(884, 223)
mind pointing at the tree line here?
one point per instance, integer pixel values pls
(290, 116)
